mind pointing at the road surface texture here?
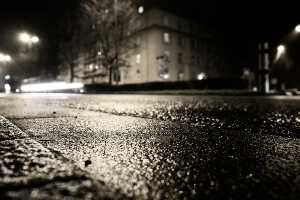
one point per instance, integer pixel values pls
(72, 146)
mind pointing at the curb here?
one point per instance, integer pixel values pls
(28, 170)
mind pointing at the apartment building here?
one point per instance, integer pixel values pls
(169, 48)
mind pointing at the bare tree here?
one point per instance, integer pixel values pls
(112, 22)
(71, 34)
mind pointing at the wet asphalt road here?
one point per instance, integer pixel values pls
(171, 147)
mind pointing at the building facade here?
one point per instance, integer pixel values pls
(169, 48)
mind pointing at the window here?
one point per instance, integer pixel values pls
(192, 44)
(180, 76)
(167, 38)
(167, 56)
(198, 60)
(138, 74)
(192, 28)
(208, 48)
(138, 59)
(141, 9)
(138, 24)
(179, 41)
(91, 67)
(198, 45)
(179, 25)
(166, 20)
(193, 60)
(138, 40)
(180, 59)
(209, 63)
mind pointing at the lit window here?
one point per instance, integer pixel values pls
(180, 58)
(166, 38)
(141, 9)
(138, 59)
(91, 67)
(201, 76)
(180, 76)
(7, 77)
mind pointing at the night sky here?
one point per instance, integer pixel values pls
(240, 24)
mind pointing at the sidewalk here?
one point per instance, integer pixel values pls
(30, 171)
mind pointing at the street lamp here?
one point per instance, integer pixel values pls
(4, 58)
(297, 28)
(24, 37)
(29, 39)
(280, 51)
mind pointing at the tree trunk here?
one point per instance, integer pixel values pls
(110, 75)
(71, 72)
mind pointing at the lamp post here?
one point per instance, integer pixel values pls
(285, 58)
(263, 67)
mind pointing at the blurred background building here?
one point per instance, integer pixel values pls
(169, 47)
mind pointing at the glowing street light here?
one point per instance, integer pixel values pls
(34, 39)
(280, 49)
(297, 28)
(4, 58)
(26, 38)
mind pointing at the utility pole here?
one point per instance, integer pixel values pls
(263, 68)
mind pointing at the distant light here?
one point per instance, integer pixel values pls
(297, 29)
(280, 52)
(17, 90)
(34, 39)
(280, 48)
(201, 76)
(50, 86)
(7, 58)
(7, 87)
(91, 67)
(99, 53)
(24, 37)
(141, 9)
(4, 57)
(7, 77)
(96, 67)
(166, 76)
